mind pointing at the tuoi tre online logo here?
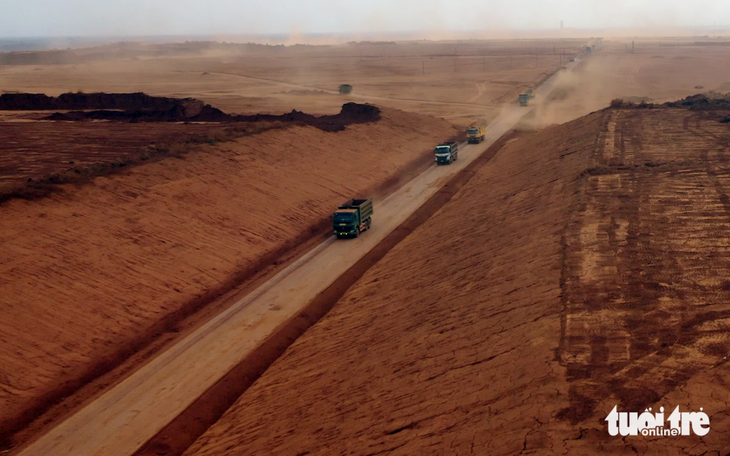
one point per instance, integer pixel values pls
(649, 424)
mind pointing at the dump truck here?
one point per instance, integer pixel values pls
(446, 153)
(345, 89)
(352, 218)
(524, 97)
(476, 134)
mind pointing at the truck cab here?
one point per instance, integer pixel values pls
(352, 218)
(346, 222)
(446, 153)
(476, 134)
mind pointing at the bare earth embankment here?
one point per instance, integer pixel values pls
(582, 268)
(447, 344)
(90, 271)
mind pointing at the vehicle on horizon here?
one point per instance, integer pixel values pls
(352, 218)
(526, 97)
(476, 134)
(446, 153)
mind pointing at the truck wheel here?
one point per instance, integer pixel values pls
(367, 226)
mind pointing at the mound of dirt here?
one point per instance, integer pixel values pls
(117, 101)
(710, 101)
(140, 107)
(178, 113)
(351, 113)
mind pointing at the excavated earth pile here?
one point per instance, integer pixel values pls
(139, 107)
(83, 101)
(584, 267)
(351, 113)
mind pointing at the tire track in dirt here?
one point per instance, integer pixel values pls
(481, 88)
(644, 274)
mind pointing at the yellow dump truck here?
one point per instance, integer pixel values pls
(476, 133)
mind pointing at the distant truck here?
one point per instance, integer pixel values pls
(352, 218)
(525, 97)
(446, 153)
(476, 134)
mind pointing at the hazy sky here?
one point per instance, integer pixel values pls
(181, 17)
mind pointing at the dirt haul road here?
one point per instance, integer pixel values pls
(120, 421)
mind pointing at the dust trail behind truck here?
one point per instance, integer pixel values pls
(352, 218)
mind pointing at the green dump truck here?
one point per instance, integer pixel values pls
(446, 153)
(524, 98)
(476, 134)
(352, 218)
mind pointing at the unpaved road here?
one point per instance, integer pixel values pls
(127, 416)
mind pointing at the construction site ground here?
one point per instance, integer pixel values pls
(120, 260)
(580, 269)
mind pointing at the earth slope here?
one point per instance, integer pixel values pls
(87, 272)
(583, 267)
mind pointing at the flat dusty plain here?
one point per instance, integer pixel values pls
(457, 80)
